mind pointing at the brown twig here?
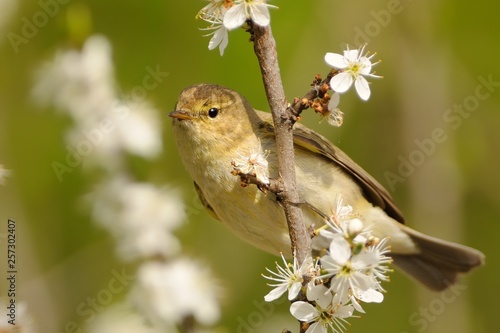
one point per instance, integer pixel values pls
(319, 88)
(284, 119)
(246, 179)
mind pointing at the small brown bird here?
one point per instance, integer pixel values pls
(215, 126)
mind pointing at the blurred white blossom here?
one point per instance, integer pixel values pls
(141, 216)
(353, 66)
(123, 319)
(81, 83)
(4, 173)
(170, 292)
(23, 323)
(7, 8)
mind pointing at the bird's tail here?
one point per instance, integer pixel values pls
(439, 262)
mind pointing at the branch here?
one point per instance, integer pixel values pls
(283, 119)
(319, 89)
(274, 186)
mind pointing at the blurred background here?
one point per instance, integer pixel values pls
(429, 133)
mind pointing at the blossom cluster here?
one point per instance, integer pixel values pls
(106, 124)
(349, 272)
(226, 15)
(141, 216)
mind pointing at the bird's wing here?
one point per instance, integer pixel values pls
(205, 203)
(317, 144)
(372, 189)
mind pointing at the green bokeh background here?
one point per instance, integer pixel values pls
(433, 53)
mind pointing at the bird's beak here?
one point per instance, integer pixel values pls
(181, 115)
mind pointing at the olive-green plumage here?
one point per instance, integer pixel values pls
(214, 126)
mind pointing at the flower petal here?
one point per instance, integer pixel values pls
(365, 260)
(335, 117)
(362, 281)
(366, 66)
(356, 305)
(370, 296)
(260, 14)
(334, 101)
(328, 234)
(344, 311)
(351, 55)
(320, 294)
(362, 88)
(235, 17)
(294, 290)
(275, 293)
(340, 285)
(340, 251)
(336, 60)
(341, 82)
(220, 38)
(317, 328)
(303, 311)
(330, 265)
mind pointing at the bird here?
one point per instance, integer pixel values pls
(214, 126)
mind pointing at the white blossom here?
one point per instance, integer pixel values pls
(171, 292)
(353, 66)
(356, 261)
(348, 271)
(289, 278)
(141, 216)
(254, 164)
(339, 220)
(380, 250)
(330, 311)
(224, 16)
(213, 13)
(256, 10)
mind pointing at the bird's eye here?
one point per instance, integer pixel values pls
(213, 112)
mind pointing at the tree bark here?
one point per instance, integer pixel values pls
(284, 119)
